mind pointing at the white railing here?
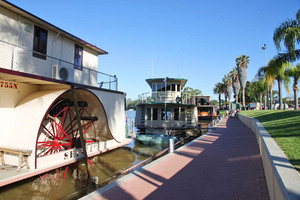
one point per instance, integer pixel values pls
(166, 97)
(20, 59)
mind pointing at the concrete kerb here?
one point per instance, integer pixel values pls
(282, 179)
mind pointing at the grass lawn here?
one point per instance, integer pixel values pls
(284, 127)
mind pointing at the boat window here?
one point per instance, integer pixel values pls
(162, 114)
(182, 114)
(40, 43)
(168, 87)
(173, 87)
(153, 87)
(78, 57)
(159, 87)
(163, 87)
(178, 87)
(169, 113)
(155, 114)
(148, 114)
(176, 114)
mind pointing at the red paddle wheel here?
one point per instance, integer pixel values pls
(59, 130)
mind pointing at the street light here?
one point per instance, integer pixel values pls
(264, 48)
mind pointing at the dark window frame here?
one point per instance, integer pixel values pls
(155, 114)
(78, 59)
(40, 40)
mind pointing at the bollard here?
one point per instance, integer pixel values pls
(171, 141)
(95, 180)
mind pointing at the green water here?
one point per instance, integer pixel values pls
(72, 182)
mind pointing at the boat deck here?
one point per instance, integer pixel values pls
(223, 164)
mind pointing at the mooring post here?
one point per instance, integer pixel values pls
(171, 141)
(80, 131)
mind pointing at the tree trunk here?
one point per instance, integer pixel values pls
(265, 101)
(271, 99)
(244, 106)
(219, 100)
(268, 101)
(296, 98)
(280, 93)
(225, 100)
(260, 101)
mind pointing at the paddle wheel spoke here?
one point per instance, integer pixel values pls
(88, 126)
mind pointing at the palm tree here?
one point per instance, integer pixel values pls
(224, 90)
(242, 65)
(278, 68)
(288, 32)
(218, 90)
(228, 83)
(295, 73)
(263, 88)
(235, 83)
(258, 87)
(267, 74)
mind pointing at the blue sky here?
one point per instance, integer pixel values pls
(193, 39)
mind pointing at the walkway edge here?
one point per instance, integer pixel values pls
(283, 180)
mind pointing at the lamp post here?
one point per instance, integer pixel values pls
(264, 48)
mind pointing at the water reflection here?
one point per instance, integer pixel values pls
(71, 182)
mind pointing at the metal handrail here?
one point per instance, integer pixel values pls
(185, 98)
(108, 81)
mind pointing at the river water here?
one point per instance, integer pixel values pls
(71, 182)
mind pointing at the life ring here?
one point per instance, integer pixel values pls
(152, 99)
(178, 100)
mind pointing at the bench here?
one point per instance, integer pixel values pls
(23, 155)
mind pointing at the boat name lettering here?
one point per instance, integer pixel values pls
(9, 85)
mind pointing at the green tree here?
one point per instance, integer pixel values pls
(258, 88)
(295, 73)
(242, 65)
(131, 104)
(224, 90)
(215, 102)
(267, 74)
(288, 32)
(191, 91)
(235, 83)
(278, 68)
(218, 90)
(228, 83)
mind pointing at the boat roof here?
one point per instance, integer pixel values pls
(49, 26)
(180, 81)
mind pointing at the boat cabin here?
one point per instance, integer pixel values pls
(204, 108)
(166, 107)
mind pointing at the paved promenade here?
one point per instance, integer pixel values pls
(223, 164)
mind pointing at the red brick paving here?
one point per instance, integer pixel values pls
(224, 164)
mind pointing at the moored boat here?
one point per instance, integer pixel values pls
(51, 94)
(166, 107)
